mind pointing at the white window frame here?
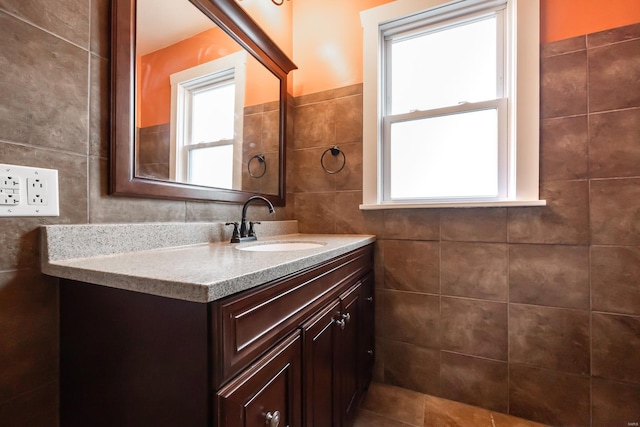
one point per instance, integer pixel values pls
(183, 83)
(521, 73)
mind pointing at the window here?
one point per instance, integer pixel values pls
(207, 103)
(451, 104)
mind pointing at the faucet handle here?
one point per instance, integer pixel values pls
(235, 236)
(252, 232)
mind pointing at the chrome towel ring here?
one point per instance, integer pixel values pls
(262, 161)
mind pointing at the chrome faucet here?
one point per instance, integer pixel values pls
(247, 233)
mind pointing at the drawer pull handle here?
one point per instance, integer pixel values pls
(273, 420)
(341, 323)
(346, 317)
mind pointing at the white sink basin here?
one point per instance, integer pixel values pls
(280, 246)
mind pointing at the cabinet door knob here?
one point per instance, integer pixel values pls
(370, 299)
(273, 420)
(370, 352)
(340, 322)
(346, 317)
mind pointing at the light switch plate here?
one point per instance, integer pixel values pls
(28, 191)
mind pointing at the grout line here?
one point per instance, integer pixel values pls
(615, 110)
(441, 329)
(589, 114)
(508, 274)
(42, 147)
(555, 371)
(615, 178)
(88, 136)
(34, 25)
(89, 82)
(568, 116)
(26, 393)
(609, 43)
(488, 359)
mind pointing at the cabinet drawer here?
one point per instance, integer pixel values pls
(251, 322)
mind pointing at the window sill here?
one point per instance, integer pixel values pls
(493, 204)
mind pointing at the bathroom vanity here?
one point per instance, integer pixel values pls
(267, 338)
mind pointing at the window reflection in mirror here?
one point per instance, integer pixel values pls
(206, 144)
(207, 104)
(204, 107)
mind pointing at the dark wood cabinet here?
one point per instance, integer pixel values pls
(320, 336)
(349, 355)
(338, 357)
(293, 352)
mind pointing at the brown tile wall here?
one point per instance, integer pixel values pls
(54, 113)
(532, 311)
(153, 151)
(261, 137)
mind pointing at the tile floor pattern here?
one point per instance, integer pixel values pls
(389, 406)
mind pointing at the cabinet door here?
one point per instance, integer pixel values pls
(268, 393)
(320, 334)
(367, 346)
(348, 355)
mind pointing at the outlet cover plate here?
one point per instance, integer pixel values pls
(14, 186)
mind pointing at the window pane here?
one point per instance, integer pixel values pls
(444, 67)
(213, 114)
(212, 166)
(445, 156)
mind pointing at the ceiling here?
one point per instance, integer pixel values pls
(161, 23)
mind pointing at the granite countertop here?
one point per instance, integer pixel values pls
(199, 272)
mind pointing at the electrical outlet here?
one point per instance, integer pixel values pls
(28, 191)
(9, 190)
(9, 182)
(9, 197)
(37, 191)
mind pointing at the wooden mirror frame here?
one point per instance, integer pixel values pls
(229, 16)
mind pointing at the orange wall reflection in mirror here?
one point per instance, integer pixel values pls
(155, 69)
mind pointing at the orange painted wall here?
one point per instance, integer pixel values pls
(275, 20)
(562, 19)
(327, 43)
(328, 34)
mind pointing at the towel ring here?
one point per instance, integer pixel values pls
(335, 151)
(260, 158)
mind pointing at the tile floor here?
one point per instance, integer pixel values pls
(389, 406)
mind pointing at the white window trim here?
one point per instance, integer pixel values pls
(236, 62)
(524, 112)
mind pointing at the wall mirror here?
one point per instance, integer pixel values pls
(199, 102)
